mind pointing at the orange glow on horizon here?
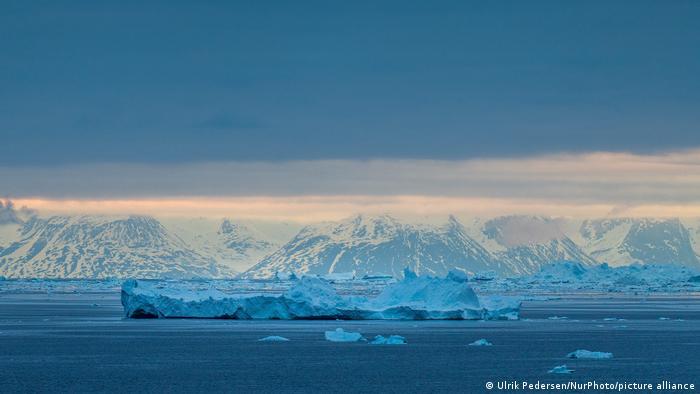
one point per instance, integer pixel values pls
(321, 208)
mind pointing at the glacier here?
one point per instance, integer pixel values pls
(413, 298)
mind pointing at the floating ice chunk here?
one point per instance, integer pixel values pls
(273, 338)
(481, 342)
(391, 340)
(664, 318)
(557, 318)
(340, 335)
(589, 355)
(560, 369)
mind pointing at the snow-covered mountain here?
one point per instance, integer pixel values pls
(237, 245)
(137, 246)
(102, 247)
(382, 244)
(508, 245)
(526, 243)
(626, 241)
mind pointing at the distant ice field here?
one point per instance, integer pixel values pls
(75, 339)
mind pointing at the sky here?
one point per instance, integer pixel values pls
(319, 109)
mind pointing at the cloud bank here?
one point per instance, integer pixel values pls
(563, 184)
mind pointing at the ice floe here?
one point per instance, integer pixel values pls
(413, 298)
(589, 355)
(560, 369)
(481, 342)
(390, 340)
(340, 335)
(273, 338)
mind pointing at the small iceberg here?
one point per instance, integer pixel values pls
(589, 355)
(273, 338)
(664, 318)
(391, 340)
(481, 342)
(340, 335)
(557, 318)
(560, 369)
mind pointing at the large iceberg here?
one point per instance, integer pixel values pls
(413, 298)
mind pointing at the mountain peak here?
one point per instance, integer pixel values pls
(377, 245)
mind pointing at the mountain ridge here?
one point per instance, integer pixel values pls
(141, 246)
